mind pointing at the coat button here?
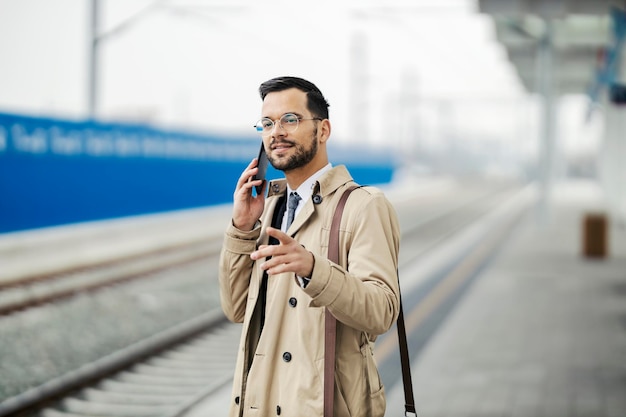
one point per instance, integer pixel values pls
(293, 301)
(237, 400)
(287, 357)
(278, 410)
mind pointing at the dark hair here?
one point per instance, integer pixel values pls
(316, 102)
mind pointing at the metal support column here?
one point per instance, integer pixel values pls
(545, 68)
(613, 156)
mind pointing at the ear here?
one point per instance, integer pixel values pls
(324, 130)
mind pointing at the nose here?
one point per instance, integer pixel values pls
(278, 130)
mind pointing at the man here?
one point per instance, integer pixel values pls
(277, 280)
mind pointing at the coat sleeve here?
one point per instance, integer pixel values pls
(367, 297)
(235, 271)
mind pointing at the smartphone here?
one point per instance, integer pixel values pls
(262, 165)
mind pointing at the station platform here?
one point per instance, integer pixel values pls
(541, 332)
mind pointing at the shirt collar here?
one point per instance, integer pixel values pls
(305, 190)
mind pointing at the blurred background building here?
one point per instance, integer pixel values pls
(454, 86)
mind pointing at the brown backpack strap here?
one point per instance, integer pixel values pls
(330, 329)
(409, 401)
(330, 332)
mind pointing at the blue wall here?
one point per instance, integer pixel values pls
(55, 172)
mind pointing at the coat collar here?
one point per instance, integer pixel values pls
(327, 184)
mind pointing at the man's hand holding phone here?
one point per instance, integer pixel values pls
(247, 208)
(262, 169)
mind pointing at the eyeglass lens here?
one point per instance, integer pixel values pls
(288, 122)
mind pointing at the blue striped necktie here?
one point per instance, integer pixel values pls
(292, 204)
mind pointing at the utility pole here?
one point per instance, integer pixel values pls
(92, 77)
(96, 39)
(359, 89)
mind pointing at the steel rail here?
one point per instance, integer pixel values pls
(110, 364)
(119, 259)
(31, 297)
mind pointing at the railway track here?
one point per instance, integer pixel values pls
(54, 287)
(160, 376)
(169, 372)
(47, 267)
(35, 289)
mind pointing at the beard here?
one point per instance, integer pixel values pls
(300, 158)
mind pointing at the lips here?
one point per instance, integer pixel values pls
(280, 146)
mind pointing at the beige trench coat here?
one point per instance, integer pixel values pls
(286, 373)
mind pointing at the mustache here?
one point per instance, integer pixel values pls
(281, 142)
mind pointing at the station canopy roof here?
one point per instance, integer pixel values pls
(581, 30)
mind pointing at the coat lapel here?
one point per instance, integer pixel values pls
(327, 185)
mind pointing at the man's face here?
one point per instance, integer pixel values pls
(290, 150)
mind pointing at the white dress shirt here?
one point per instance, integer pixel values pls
(305, 191)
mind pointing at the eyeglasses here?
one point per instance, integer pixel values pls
(288, 122)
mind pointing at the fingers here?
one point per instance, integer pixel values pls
(245, 181)
(282, 237)
(284, 240)
(287, 256)
(247, 208)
